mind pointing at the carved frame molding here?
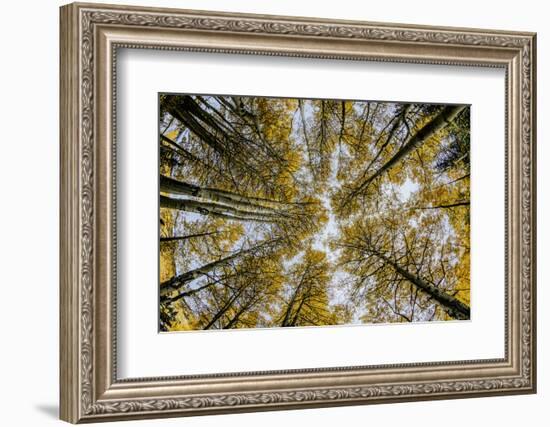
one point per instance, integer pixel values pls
(90, 37)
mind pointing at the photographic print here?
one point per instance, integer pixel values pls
(285, 212)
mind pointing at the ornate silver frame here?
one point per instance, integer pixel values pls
(90, 36)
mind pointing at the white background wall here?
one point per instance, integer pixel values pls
(29, 173)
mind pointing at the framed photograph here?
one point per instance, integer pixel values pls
(267, 212)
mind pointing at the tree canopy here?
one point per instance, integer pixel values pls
(279, 212)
